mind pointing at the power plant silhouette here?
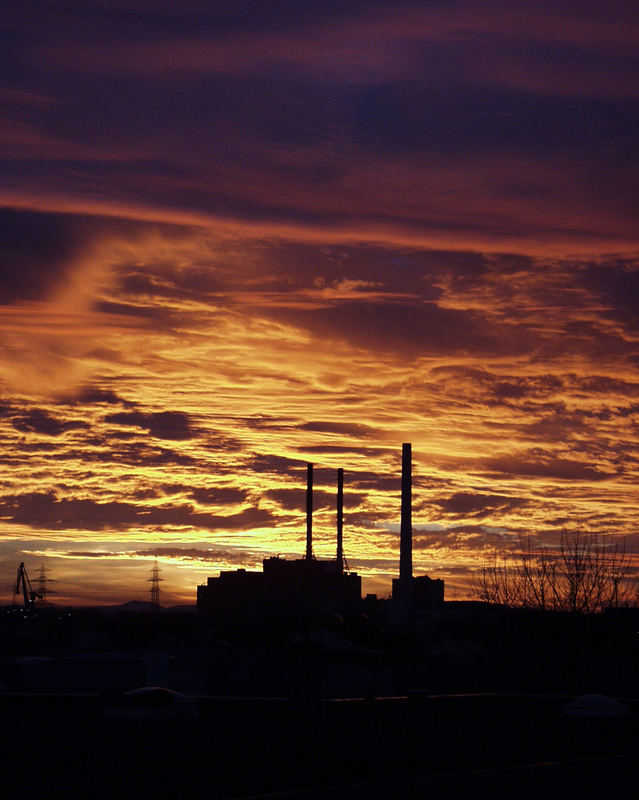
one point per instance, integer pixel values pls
(309, 586)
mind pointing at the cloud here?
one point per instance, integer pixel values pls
(162, 425)
(606, 384)
(477, 505)
(617, 284)
(345, 448)
(281, 465)
(216, 496)
(39, 421)
(356, 430)
(471, 538)
(549, 467)
(42, 251)
(425, 126)
(211, 555)
(36, 252)
(93, 394)
(117, 450)
(410, 329)
(294, 499)
(47, 510)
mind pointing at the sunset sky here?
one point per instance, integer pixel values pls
(238, 237)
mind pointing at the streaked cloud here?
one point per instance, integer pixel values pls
(431, 126)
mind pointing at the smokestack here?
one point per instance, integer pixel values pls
(309, 512)
(340, 518)
(406, 531)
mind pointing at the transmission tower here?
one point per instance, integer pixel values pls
(155, 585)
(43, 582)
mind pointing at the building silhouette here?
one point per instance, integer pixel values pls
(301, 587)
(306, 587)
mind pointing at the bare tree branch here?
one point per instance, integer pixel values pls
(584, 574)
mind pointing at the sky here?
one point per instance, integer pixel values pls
(239, 237)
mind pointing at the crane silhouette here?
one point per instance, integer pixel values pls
(24, 584)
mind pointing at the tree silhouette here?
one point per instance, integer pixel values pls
(583, 574)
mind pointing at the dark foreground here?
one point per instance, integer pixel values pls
(438, 746)
(468, 703)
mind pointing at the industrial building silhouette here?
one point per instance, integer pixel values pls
(412, 593)
(308, 586)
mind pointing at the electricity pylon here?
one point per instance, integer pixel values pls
(155, 585)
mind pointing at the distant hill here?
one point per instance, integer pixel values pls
(144, 607)
(138, 606)
(132, 606)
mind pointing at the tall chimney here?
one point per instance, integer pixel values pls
(309, 512)
(340, 518)
(406, 531)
